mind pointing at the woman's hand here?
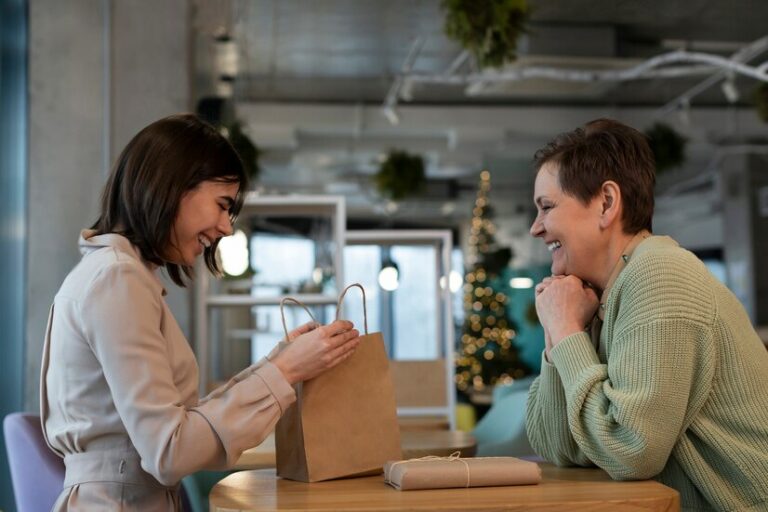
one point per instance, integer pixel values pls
(302, 329)
(565, 305)
(316, 350)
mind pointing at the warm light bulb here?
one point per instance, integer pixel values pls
(234, 253)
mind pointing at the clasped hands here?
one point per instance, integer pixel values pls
(565, 305)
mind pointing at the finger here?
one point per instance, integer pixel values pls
(307, 327)
(345, 351)
(343, 338)
(337, 327)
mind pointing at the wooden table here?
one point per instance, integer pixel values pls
(571, 489)
(416, 443)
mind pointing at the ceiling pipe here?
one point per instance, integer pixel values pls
(745, 54)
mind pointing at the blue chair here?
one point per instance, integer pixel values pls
(501, 432)
(36, 472)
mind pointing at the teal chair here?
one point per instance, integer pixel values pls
(501, 432)
(198, 486)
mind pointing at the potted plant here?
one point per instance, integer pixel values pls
(400, 175)
(668, 146)
(487, 28)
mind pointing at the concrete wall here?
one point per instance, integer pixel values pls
(99, 71)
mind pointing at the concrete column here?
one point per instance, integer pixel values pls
(150, 79)
(99, 71)
(66, 152)
(745, 238)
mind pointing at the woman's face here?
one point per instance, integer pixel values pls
(203, 218)
(570, 229)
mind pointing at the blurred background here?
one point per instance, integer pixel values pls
(390, 143)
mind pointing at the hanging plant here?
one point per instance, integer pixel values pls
(487, 28)
(761, 99)
(401, 175)
(667, 145)
(248, 151)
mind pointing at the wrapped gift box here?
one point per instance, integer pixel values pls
(454, 471)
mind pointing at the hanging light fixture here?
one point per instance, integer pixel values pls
(389, 275)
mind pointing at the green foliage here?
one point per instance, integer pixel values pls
(761, 99)
(401, 175)
(248, 151)
(487, 28)
(667, 145)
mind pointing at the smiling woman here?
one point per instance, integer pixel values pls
(176, 174)
(651, 367)
(119, 381)
(204, 217)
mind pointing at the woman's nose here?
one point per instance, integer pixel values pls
(225, 225)
(536, 228)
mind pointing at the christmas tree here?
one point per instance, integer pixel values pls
(486, 353)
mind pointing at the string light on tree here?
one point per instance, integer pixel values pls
(486, 354)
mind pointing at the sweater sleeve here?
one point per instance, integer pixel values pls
(121, 314)
(546, 420)
(626, 416)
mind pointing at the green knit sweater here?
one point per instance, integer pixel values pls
(677, 392)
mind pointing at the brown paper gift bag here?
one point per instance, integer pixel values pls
(344, 422)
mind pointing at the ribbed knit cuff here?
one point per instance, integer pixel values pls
(550, 384)
(572, 355)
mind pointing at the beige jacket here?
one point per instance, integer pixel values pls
(119, 389)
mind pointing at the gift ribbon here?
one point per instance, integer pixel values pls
(455, 456)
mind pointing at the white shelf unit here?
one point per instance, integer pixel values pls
(205, 302)
(442, 240)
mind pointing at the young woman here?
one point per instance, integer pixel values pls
(668, 382)
(119, 381)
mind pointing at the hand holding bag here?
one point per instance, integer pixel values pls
(344, 421)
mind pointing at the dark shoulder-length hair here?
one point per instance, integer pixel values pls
(164, 161)
(603, 150)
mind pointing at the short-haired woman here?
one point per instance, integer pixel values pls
(669, 379)
(119, 381)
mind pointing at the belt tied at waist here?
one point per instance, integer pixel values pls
(108, 466)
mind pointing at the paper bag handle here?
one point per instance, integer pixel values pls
(365, 310)
(282, 313)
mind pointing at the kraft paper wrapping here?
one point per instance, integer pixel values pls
(453, 471)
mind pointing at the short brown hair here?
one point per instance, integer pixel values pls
(159, 165)
(603, 150)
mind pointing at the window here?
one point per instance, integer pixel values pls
(408, 316)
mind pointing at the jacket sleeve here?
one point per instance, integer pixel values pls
(546, 420)
(626, 416)
(122, 315)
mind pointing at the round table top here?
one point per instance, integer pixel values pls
(572, 489)
(415, 443)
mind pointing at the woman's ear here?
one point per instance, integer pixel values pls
(610, 195)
